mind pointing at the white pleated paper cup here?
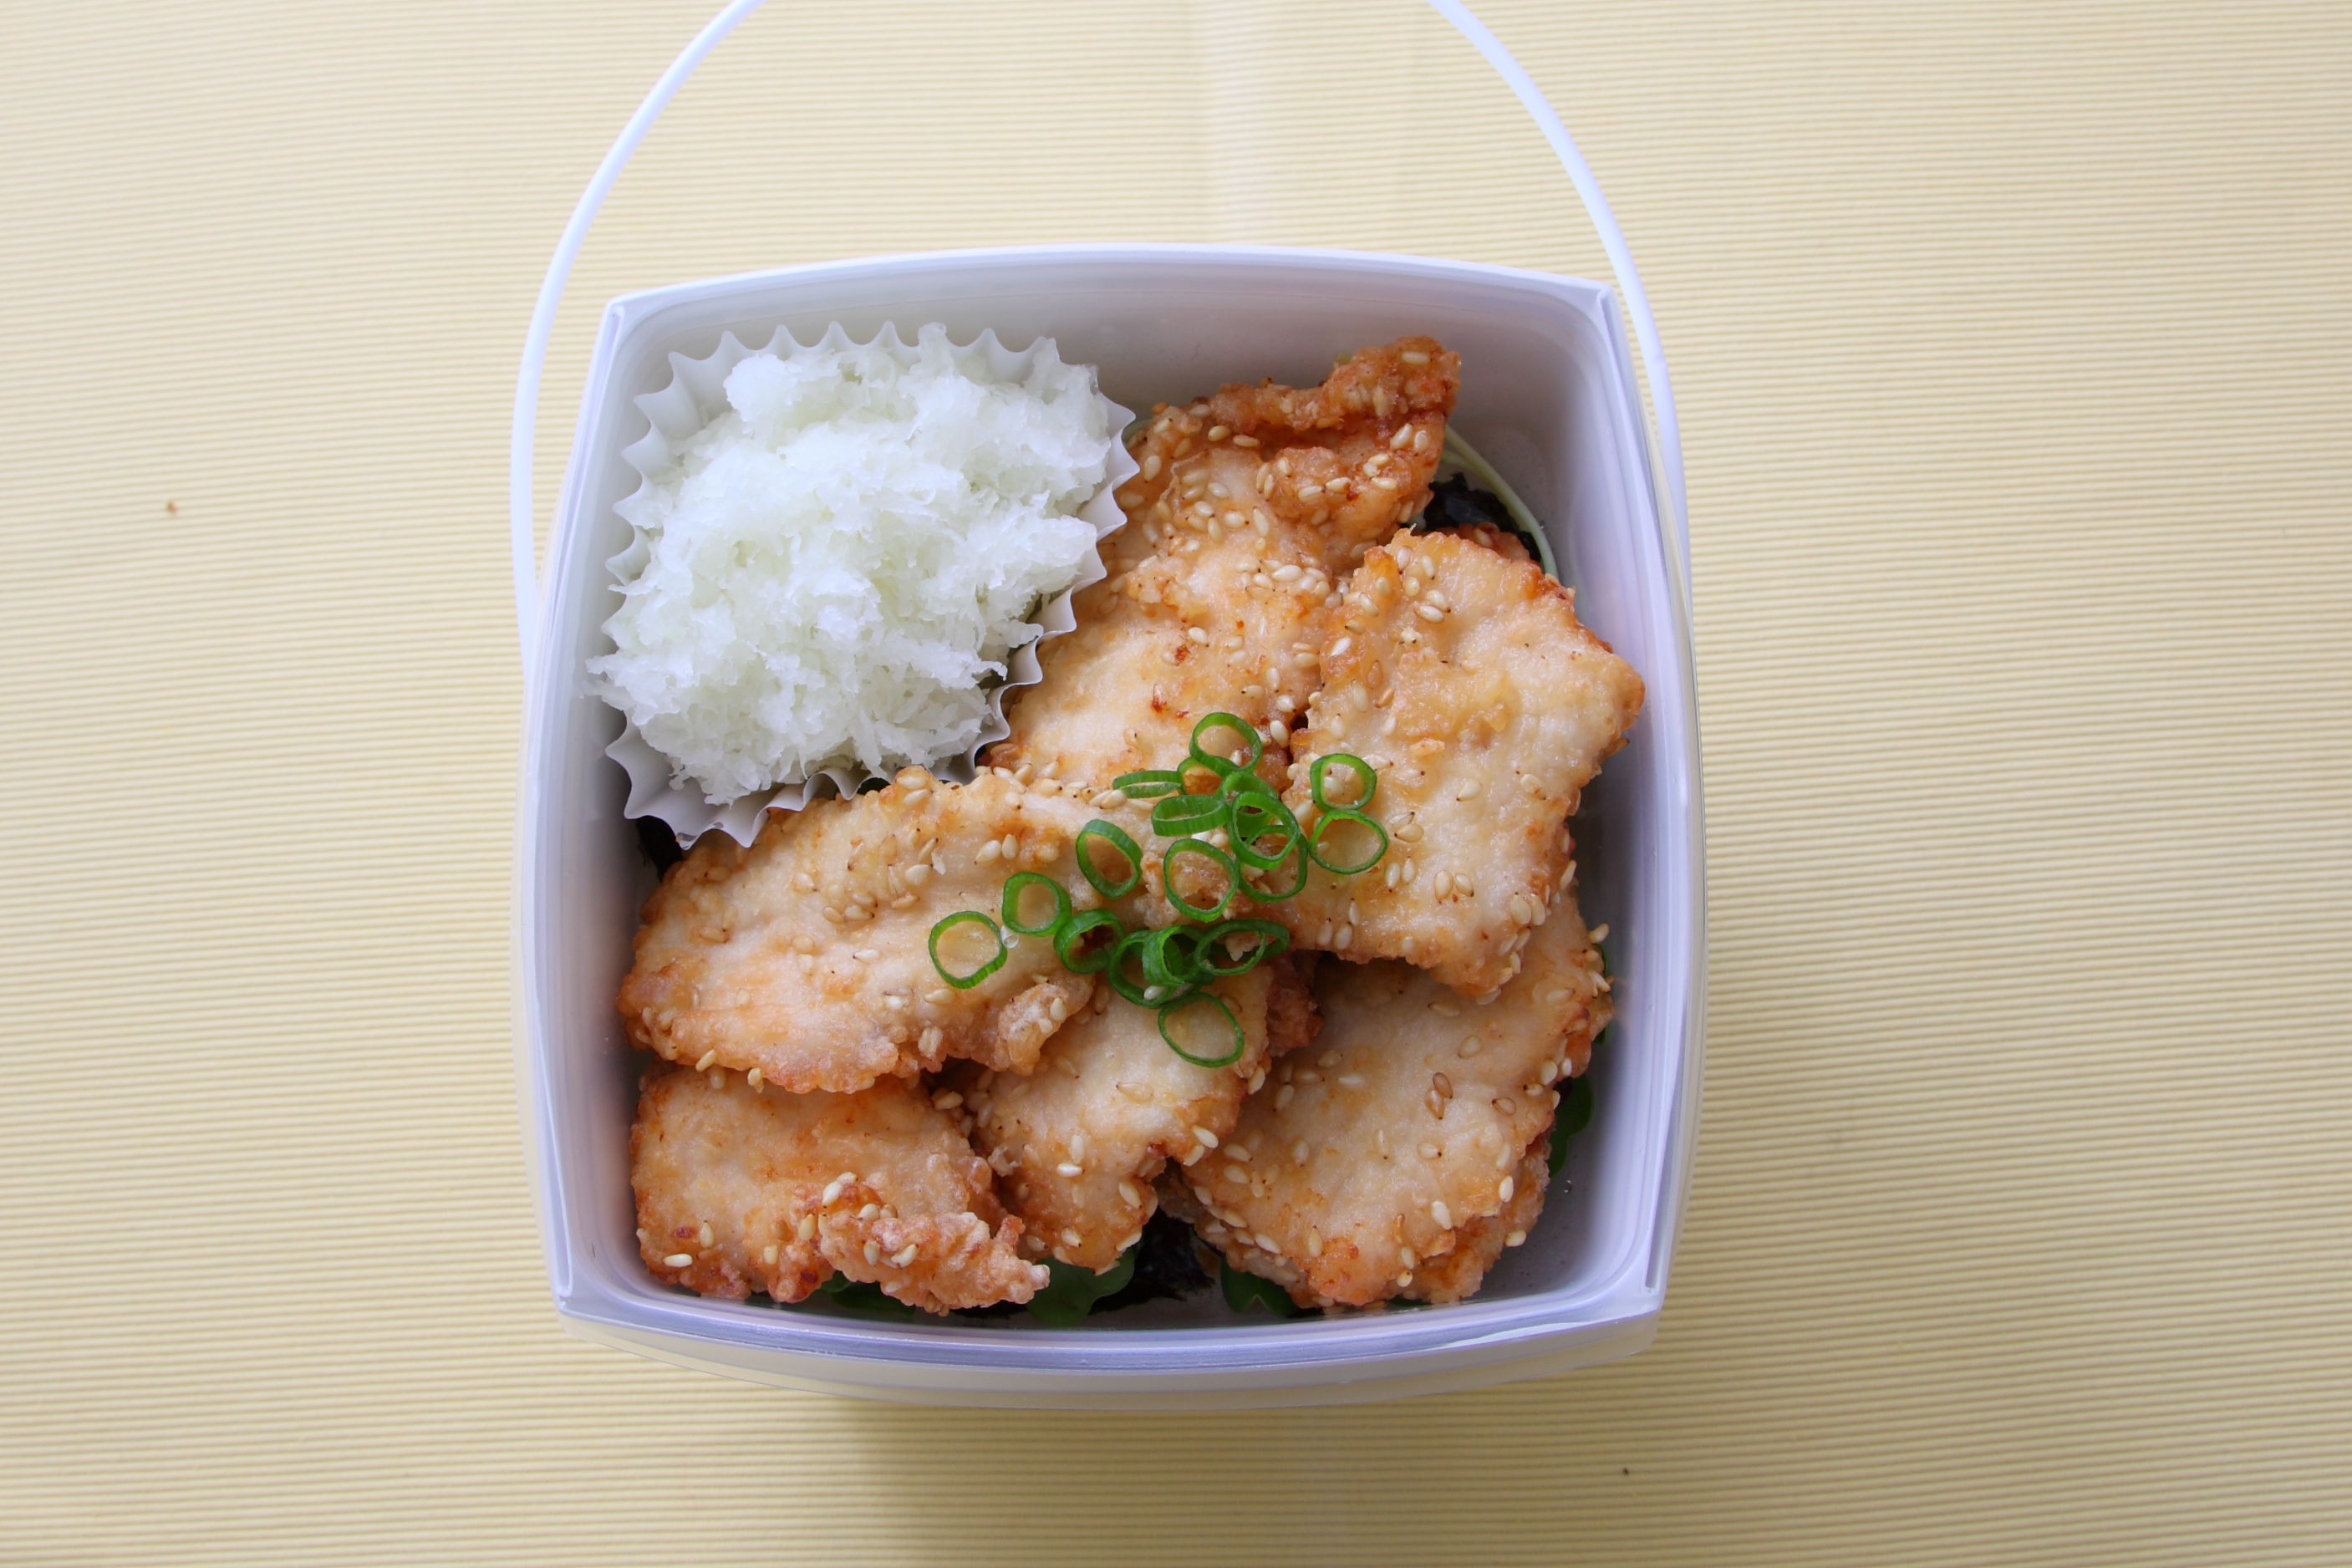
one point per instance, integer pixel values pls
(696, 394)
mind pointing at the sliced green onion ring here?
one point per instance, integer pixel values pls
(1191, 767)
(1273, 941)
(1179, 815)
(1254, 819)
(1019, 882)
(1146, 782)
(1174, 1009)
(1190, 910)
(1115, 836)
(1237, 725)
(1175, 958)
(1115, 974)
(1075, 930)
(966, 917)
(1274, 895)
(1245, 781)
(1346, 813)
(1362, 770)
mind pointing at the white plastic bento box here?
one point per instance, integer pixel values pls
(1549, 397)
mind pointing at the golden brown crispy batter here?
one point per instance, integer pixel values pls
(1292, 1021)
(1251, 506)
(741, 1189)
(1078, 1141)
(1466, 682)
(1410, 1133)
(807, 955)
(1477, 1246)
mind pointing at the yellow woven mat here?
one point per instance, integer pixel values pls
(2012, 340)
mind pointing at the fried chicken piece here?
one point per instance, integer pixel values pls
(1407, 1151)
(741, 1189)
(1479, 1244)
(1455, 1276)
(1292, 1019)
(1078, 1141)
(1252, 504)
(1466, 682)
(807, 955)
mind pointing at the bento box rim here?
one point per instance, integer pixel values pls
(1473, 1341)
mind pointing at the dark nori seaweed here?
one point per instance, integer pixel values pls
(1456, 502)
(1165, 1267)
(658, 843)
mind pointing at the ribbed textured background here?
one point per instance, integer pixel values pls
(2013, 345)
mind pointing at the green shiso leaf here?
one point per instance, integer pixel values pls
(1245, 1291)
(860, 1297)
(1073, 1291)
(1466, 457)
(1575, 1116)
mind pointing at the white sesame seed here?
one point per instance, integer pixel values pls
(708, 1058)
(1067, 1169)
(1442, 1215)
(678, 1260)
(1206, 1139)
(1507, 1187)
(1350, 1080)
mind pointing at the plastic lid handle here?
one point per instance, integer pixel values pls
(523, 521)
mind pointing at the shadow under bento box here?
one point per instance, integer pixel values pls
(1549, 397)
